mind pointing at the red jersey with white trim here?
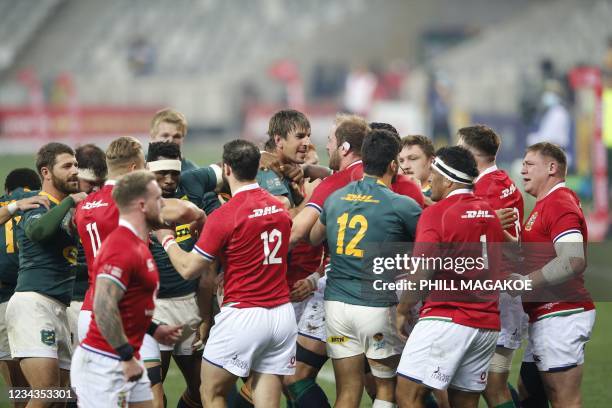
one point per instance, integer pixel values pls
(554, 216)
(497, 188)
(460, 218)
(250, 236)
(125, 259)
(334, 182)
(404, 185)
(95, 217)
(304, 259)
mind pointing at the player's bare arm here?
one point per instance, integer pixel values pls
(189, 265)
(317, 233)
(204, 297)
(302, 224)
(45, 227)
(177, 211)
(7, 212)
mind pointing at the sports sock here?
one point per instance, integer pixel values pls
(383, 404)
(306, 393)
(507, 404)
(244, 398)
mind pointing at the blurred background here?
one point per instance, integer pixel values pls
(83, 71)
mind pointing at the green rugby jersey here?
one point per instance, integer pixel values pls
(200, 184)
(275, 185)
(81, 282)
(364, 212)
(187, 165)
(9, 252)
(46, 267)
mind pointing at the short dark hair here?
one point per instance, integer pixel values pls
(552, 151)
(383, 126)
(163, 149)
(380, 147)
(423, 142)
(482, 138)
(243, 158)
(285, 121)
(459, 158)
(132, 186)
(48, 153)
(22, 177)
(90, 156)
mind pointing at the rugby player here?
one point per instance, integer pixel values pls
(453, 342)
(19, 183)
(344, 150)
(555, 236)
(178, 299)
(106, 369)
(37, 323)
(169, 125)
(496, 188)
(364, 212)
(415, 160)
(250, 236)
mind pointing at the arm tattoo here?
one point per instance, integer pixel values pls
(106, 312)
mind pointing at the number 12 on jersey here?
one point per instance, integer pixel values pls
(274, 236)
(351, 249)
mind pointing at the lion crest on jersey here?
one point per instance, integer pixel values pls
(531, 221)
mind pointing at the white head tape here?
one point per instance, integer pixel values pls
(164, 165)
(450, 173)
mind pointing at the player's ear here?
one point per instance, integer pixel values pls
(392, 169)
(278, 141)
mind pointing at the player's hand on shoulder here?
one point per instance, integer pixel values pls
(301, 290)
(78, 197)
(167, 335)
(132, 369)
(269, 161)
(32, 202)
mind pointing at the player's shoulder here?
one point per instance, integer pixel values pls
(561, 200)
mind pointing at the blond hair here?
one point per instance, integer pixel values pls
(122, 153)
(169, 115)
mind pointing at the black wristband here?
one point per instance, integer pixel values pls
(152, 327)
(125, 351)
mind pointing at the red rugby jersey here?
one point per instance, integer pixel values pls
(404, 185)
(460, 218)
(250, 235)
(125, 259)
(497, 188)
(95, 217)
(336, 181)
(554, 216)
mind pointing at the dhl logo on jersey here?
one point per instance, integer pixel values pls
(477, 214)
(260, 212)
(361, 198)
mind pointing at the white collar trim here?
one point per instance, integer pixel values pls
(460, 191)
(485, 172)
(252, 186)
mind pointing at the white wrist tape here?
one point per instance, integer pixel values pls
(12, 207)
(313, 279)
(168, 242)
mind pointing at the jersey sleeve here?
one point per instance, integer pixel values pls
(427, 236)
(115, 264)
(319, 195)
(271, 182)
(214, 236)
(409, 212)
(564, 219)
(197, 182)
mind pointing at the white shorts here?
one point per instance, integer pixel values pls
(442, 354)
(38, 327)
(514, 321)
(557, 343)
(353, 330)
(99, 382)
(182, 310)
(299, 307)
(5, 350)
(83, 324)
(254, 338)
(73, 313)
(149, 351)
(312, 322)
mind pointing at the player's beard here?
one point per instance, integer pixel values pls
(334, 160)
(68, 186)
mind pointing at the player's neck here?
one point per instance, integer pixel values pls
(138, 222)
(50, 189)
(387, 178)
(236, 185)
(549, 185)
(348, 160)
(485, 165)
